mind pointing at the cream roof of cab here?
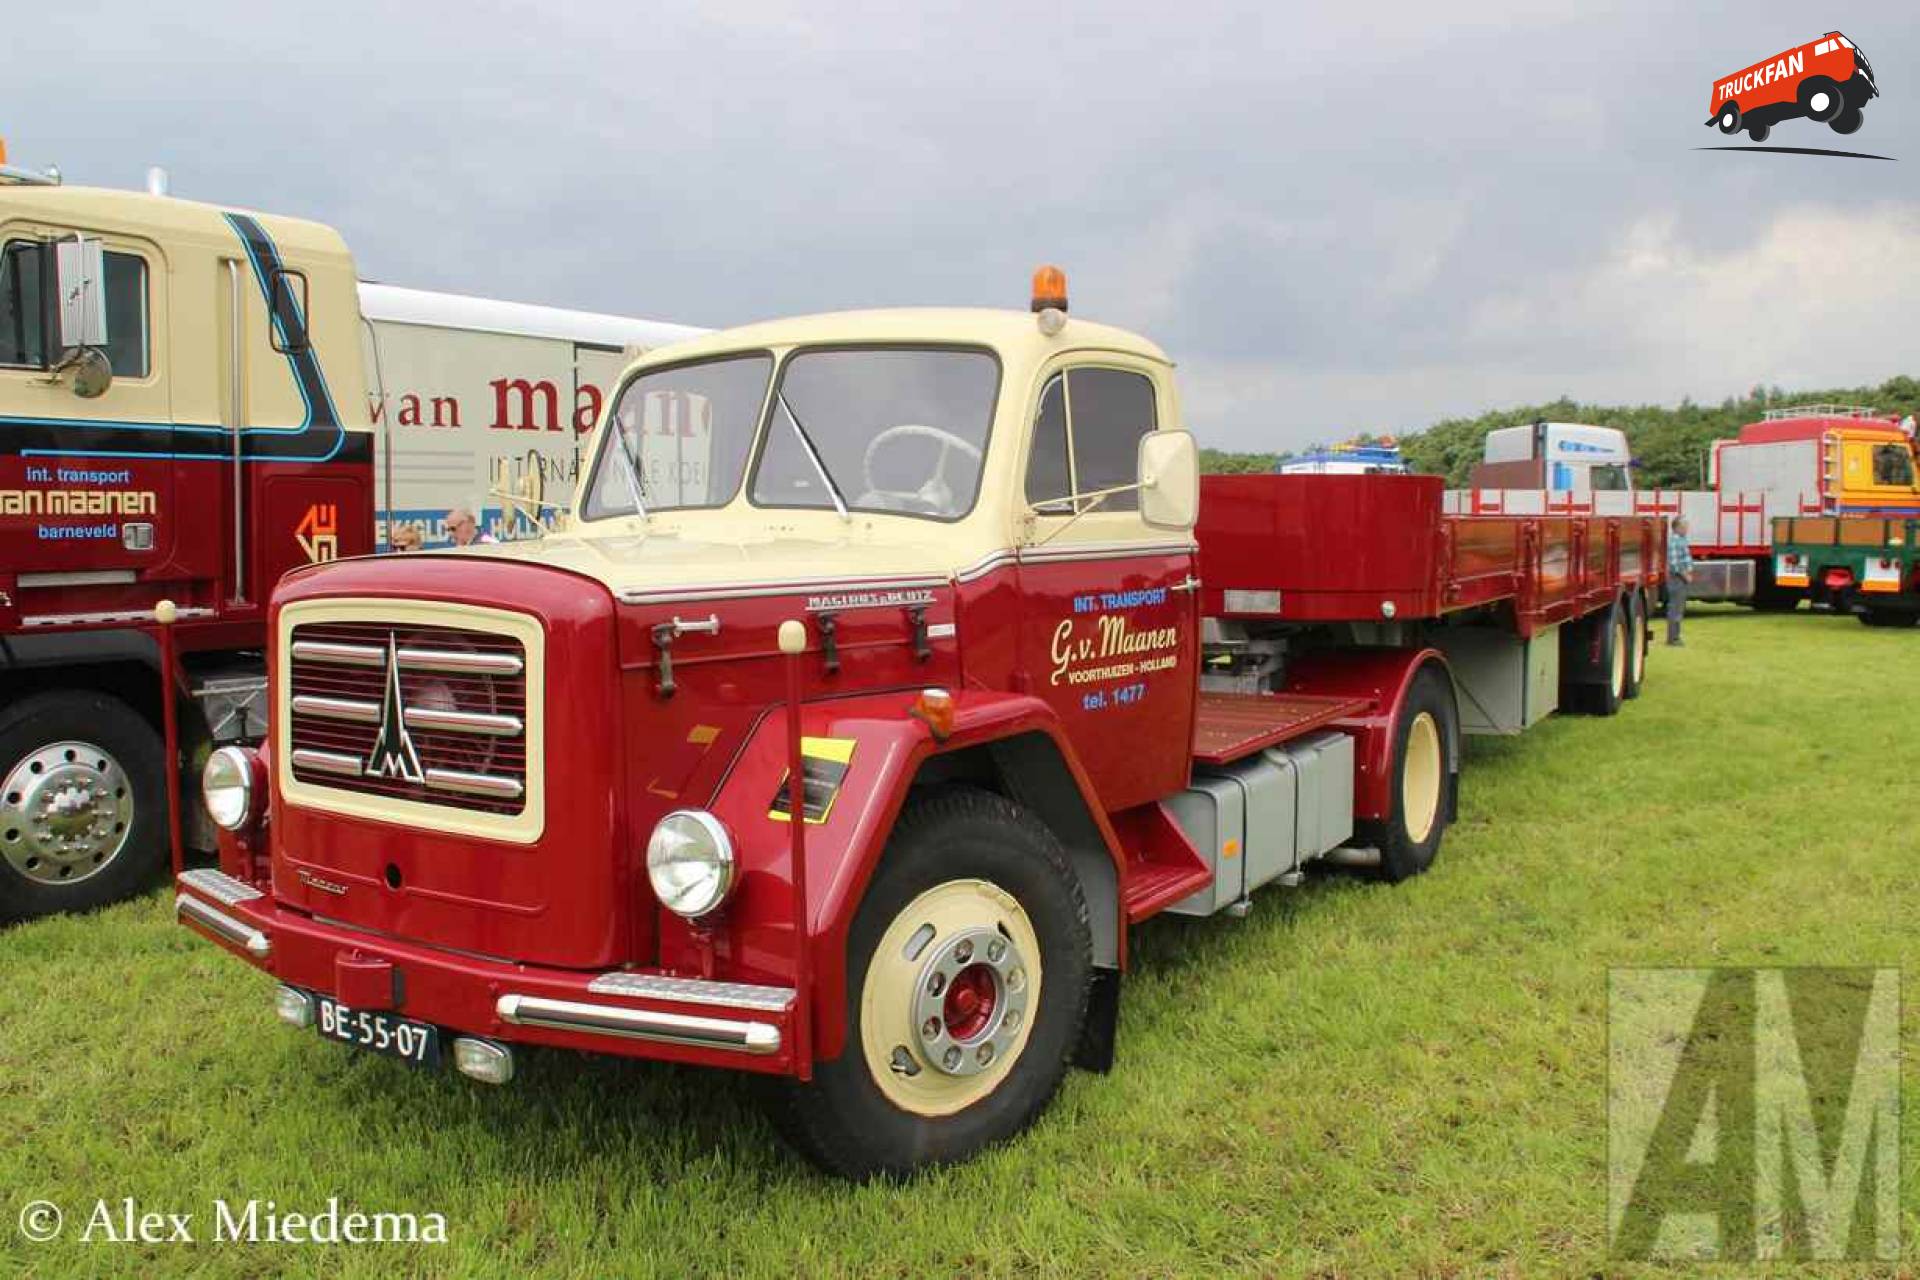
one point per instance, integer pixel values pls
(743, 548)
(162, 219)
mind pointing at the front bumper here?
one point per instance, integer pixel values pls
(631, 1013)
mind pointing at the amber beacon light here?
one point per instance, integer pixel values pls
(1049, 289)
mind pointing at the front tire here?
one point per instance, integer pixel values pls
(1848, 121)
(1425, 738)
(968, 970)
(82, 803)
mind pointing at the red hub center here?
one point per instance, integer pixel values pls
(970, 1002)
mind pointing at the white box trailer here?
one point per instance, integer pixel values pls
(459, 385)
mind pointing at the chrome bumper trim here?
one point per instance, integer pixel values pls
(211, 882)
(758, 1038)
(736, 995)
(225, 926)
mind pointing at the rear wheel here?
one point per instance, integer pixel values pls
(1424, 739)
(1887, 616)
(82, 803)
(969, 964)
(1636, 643)
(1758, 132)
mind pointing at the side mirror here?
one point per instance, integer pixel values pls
(91, 370)
(1169, 480)
(80, 274)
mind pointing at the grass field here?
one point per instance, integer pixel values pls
(1356, 1080)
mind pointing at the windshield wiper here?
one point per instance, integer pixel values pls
(631, 473)
(813, 456)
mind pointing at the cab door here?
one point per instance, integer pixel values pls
(1110, 626)
(86, 484)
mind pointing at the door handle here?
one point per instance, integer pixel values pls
(1189, 583)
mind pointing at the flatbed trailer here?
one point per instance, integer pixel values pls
(1022, 688)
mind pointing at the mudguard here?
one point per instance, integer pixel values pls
(1382, 676)
(863, 754)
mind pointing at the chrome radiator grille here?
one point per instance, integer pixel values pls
(411, 712)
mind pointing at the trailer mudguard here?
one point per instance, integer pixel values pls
(1382, 676)
(863, 755)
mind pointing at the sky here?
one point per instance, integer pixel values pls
(1362, 217)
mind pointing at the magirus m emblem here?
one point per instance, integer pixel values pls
(393, 755)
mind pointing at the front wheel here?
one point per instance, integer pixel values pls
(1848, 121)
(968, 970)
(1424, 742)
(1730, 118)
(82, 803)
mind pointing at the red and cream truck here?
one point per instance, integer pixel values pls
(944, 584)
(194, 399)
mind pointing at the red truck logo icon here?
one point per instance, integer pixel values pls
(1827, 80)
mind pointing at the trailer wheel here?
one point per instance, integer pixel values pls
(1730, 118)
(968, 968)
(1424, 740)
(1636, 643)
(1820, 98)
(82, 803)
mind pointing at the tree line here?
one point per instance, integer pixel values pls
(1669, 443)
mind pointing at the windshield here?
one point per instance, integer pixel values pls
(687, 431)
(1893, 465)
(900, 430)
(1608, 478)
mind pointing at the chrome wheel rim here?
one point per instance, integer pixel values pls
(66, 812)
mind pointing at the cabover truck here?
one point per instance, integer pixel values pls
(848, 748)
(1830, 460)
(192, 400)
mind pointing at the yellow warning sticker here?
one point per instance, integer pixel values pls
(823, 768)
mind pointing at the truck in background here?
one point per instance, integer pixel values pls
(1876, 558)
(1350, 458)
(193, 400)
(1807, 460)
(848, 749)
(1560, 457)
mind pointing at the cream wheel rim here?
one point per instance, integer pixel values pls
(1637, 645)
(1620, 642)
(1420, 778)
(949, 997)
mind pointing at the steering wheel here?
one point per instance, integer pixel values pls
(935, 494)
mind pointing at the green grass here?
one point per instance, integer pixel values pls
(1357, 1080)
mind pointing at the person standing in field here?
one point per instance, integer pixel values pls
(1679, 574)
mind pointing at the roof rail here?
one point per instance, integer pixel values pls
(27, 177)
(1823, 411)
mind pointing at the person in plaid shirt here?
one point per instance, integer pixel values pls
(1679, 574)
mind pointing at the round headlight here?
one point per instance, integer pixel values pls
(226, 784)
(690, 862)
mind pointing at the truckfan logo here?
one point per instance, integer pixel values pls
(1828, 81)
(318, 533)
(393, 755)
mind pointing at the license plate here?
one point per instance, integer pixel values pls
(371, 1029)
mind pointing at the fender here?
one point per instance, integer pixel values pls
(1383, 676)
(884, 749)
